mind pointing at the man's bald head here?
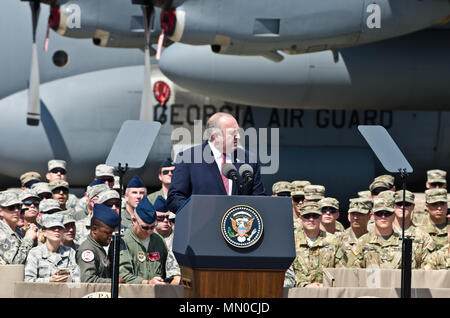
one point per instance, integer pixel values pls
(223, 132)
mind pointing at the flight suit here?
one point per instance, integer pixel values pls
(41, 264)
(138, 263)
(152, 196)
(13, 249)
(93, 262)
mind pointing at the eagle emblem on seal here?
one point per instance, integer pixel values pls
(242, 226)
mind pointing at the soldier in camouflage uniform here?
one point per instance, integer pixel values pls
(68, 237)
(387, 195)
(13, 248)
(358, 216)
(57, 171)
(315, 249)
(60, 192)
(330, 213)
(52, 262)
(143, 253)
(314, 192)
(30, 207)
(440, 259)
(281, 189)
(436, 224)
(43, 190)
(382, 248)
(298, 198)
(29, 178)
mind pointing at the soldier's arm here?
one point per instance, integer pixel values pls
(31, 269)
(126, 269)
(88, 270)
(19, 254)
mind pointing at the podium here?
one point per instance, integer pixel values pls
(234, 246)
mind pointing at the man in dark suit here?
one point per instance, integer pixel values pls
(198, 169)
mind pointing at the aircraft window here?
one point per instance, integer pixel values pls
(60, 58)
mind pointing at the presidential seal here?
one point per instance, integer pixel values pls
(242, 226)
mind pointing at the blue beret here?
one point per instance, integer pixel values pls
(96, 182)
(146, 211)
(106, 215)
(136, 182)
(167, 163)
(161, 204)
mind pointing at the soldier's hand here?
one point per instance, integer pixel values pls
(314, 285)
(55, 278)
(157, 281)
(32, 232)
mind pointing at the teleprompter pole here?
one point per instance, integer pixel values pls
(406, 247)
(116, 238)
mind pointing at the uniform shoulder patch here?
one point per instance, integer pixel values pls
(87, 256)
(355, 251)
(427, 267)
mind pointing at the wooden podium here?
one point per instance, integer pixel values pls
(219, 260)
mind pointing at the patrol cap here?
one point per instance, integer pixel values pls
(95, 190)
(436, 195)
(387, 194)
(106, 215)
(58, 184)
(360, 205)
(297, 187)
(161, 204)
(9, 198)
(380, 204)
(136, 182)
(28, 193)
(41, 187)
(146, 211)
(48, 205)
(365, 194)
(30, 176)
(167, 163)
(68, 218)
(436, 175)
(409, 196)
(108, 195)
(55, 163)
(328, 202)
(52, 220)
(314, 192)
(310, 207)
(379, 184)
(387, 178)
(104, 170)
(281, 186)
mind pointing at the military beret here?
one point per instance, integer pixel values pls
(48, 205)
(136, 182)
(41, 187)
(281, 186)
(328, 202)
(106, 215)
(108, 195)
(161, 204)
(30, 176)
(436, 195)
(167, 163)
(95, 190)
(9, 198)
(58, 184)
(380, 204)
(310, 207)
(297, 187)
(52, 220)
(28, 193)
(146, 211)
(52, 164)
(409, 196)
(436, 175)
(104, 170)
(314, 192)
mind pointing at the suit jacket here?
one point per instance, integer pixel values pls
(205, 178)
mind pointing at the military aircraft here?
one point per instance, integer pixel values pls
(87, 91)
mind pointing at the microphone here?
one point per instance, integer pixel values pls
(246, 173)
(230, 172)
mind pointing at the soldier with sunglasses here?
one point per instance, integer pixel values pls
(165, 174)
(30, 208)
(330, 213)
(57, 170)
(437, 222)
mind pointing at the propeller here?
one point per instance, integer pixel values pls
(34, 101)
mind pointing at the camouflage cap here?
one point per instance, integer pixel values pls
(360, 205)
(436, 175)
(58, 184)
(41, 187)
(104, 170)
(9, 198)
(48, 205)
(116, 183)
(314, 192)
(365, 194)
(93, 191)
(381, 204)
(54, 163)
(281, 186)
(52, 220)
(436, 195)
(387, 178)
(68, 217)
(409, 196)
(387, 195)
(108, 195)
(297, 187)
(379, 184)
(29, 176)
(310, 207)
(328, 202)
(28, 193)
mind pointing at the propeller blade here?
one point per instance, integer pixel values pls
(146, 112)
(34, 101)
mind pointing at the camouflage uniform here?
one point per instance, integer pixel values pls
(13, 249)
(314, 192)
(439, 260)
(437, 232)
(281, 186)
(334, 203)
